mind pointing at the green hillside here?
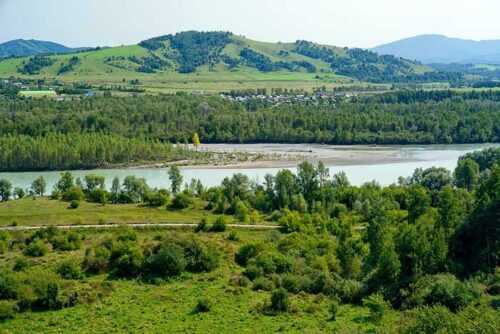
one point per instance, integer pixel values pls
(220, 60)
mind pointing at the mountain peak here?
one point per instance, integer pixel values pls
(433, 48)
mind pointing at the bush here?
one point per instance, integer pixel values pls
(245, 253)
(334, 309)
(377, 306)
(434, 319)
(70, 269)
(252, 272)
(443, 289)
(126, 260)
(68, 241)
(219, 225)
(36, 248)
(202, 306)
(233, 236)
(168, 261)
(20, 264)
(182, 201)
(4, 246)
(74, 193)
(7, 310)
(349, 291)
(199, 257)
(96, 260)
(262, 284)
(292, 283)
(74, 204)
(202, 226)
(9, 285)
(157, 199)
(279, 300)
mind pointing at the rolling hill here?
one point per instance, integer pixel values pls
(441, 49)
(23, 48)
(210, 59)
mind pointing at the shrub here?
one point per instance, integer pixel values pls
(20, 264)
(279, 300)
(349, 291)
(126, 260)
(377, 306)
(9, 285)
(202, 226)
(168, 261)
(74, 204)
(96, 260)
(443, 289)
(182, 201)
(334, 309)
(68, 241)
(292, 283)
(7, 310)
(36, 248)
(252, 272)
(262, 284)
(202, 306)
(233, 236)
(219, 225)
(434, 319)
(69, 269)
(4, 246)
(199, 257)
(157, 199)
(74, 193)
(245, 253)
(127, 234)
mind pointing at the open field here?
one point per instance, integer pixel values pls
(42, 211)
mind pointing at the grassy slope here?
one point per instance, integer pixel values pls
(94, 69)
(29, 212)
(135, 307)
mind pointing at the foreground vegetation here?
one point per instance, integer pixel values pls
(421, 256)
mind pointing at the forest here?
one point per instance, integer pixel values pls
(426, 248)
(38, 134)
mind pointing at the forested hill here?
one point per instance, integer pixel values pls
(222, 55)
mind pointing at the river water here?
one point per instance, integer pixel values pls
(383, 164)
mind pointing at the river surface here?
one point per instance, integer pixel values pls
(383, 164)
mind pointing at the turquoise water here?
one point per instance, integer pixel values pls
(408, 158)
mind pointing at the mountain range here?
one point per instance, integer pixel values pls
(215, 56)
(430, 49)
(32, 47)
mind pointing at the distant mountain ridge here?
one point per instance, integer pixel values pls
(442, 49)
(32, 47)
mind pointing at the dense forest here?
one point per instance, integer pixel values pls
(428, 246)
(85, 133)
(87, 151)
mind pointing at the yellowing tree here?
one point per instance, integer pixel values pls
(196, 140)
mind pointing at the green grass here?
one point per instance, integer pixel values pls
(136, 307)
(42, 211)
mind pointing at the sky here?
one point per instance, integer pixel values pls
(353, 23)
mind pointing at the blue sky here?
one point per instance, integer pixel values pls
(361, 23)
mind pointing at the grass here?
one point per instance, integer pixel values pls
(136, 307)
(42, 211)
